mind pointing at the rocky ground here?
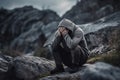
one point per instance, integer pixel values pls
(36, 68)
(97, 71)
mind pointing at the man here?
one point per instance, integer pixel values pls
(69, 47)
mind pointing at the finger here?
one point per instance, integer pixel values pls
(64, 32)
(60, 29)
(63, 27)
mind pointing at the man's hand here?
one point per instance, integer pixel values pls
(63, 31)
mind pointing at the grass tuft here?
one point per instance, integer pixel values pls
(111, 58)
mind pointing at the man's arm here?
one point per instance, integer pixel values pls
(73, 42)
(57, 39)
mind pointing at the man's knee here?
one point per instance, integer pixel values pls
(79, 56)
(76, 51)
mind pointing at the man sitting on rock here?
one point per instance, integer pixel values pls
(69, 47)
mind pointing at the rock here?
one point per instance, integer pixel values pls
(33, 38)
(18, 24)
(24, 67)
(34, 68)
(99, 50)
(3, 64)
(63, 76)
(50, 28)
(97, 71)
(100, 71)
(5, 67)
(90, 10)
(28, 41)
(107, 21)
(101, 40)
(29, 67)
(99, 33)
(104, 11)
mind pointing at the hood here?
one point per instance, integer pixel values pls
(67, 24)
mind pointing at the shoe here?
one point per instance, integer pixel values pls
(57, 70)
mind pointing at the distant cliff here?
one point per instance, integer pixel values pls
(20, 28)
(90, 10)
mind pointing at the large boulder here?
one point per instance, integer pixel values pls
(18, 24)
(97, 71)
(100, 71)
(29, 40)
(24, 67)
(29, 67)
(33, 38)
(104, 22)
(99, 33)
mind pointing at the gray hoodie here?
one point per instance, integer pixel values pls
(76, 39)
(78, 35)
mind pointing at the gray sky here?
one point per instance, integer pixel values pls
(60, 6)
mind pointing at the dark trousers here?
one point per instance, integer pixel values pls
(70, 59)
(62, 56)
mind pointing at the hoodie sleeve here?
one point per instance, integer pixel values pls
(73, 42)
